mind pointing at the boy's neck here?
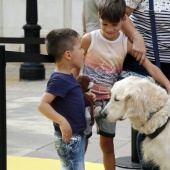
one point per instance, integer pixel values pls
(110, 39)
(63, 69)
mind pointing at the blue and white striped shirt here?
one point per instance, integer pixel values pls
(141, 20)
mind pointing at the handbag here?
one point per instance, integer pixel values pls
(153, 31)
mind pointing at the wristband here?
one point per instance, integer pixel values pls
(134, 35)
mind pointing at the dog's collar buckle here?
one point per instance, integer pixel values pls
(158, 131)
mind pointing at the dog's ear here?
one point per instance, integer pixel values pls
(134, 103)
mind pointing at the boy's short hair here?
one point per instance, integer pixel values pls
(60, 40)
(112, 10)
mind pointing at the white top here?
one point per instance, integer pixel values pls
(103, 62)
(159, 5)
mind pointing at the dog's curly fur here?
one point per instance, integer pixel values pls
(147, 105)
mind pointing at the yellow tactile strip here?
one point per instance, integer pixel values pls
(29, 163)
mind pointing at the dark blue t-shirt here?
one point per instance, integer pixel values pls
(69, 101)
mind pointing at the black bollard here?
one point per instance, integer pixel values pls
(3, 145)
(134, 134)
(33, 70)
(130, 162)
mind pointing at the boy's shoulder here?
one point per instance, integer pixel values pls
(61, 81)
(87, 38)
(61, 76)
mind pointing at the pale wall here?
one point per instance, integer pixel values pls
(51, 14)
(1, 21)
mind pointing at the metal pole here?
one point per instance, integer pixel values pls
(130, 162)
(135, 158)
(33, 70)
(3, 150)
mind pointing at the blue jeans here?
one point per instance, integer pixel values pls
(71, 153)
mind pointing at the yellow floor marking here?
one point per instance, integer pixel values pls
(29, 163)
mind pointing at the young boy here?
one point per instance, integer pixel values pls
(105, 51)
(63, 102)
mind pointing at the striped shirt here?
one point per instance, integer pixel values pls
(141, 20)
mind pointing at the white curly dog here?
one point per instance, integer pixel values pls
(147, 105)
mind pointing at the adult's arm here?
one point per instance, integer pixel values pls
(138, 48)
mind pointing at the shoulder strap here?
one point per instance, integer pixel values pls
(153, 31)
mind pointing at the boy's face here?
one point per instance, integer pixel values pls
(77, 54)
(110, 30)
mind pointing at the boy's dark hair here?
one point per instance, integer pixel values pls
(60, 40)
(112, 10)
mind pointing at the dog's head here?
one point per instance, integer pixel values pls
(131, 97)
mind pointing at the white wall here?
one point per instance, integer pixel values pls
(51, 14)
(1, 15)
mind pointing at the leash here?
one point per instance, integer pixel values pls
(153, 31)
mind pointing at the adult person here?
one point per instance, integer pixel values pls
(138, 10)
(90, 19)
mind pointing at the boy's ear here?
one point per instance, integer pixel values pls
(67, 55)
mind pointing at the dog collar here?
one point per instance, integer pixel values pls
(158, 131)
(153, 113)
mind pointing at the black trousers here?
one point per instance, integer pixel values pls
(131, 64)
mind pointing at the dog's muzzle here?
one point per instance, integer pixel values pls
(102, 103)
(103, 114)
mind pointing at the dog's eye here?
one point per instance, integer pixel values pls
(115, 98)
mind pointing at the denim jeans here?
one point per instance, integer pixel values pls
(148, 165)
(71, 153)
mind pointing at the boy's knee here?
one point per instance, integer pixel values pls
(106, 144)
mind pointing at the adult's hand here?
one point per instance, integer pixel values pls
(138, 48)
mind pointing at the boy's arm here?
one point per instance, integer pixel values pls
(157, 74)
(45, 108)
(153, 70)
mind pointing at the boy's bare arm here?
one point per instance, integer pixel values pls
(85, 42)
(153, 70)
(45, 108)
(157, 74)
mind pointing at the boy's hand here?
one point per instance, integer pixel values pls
(66, 130)
(92, 95)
